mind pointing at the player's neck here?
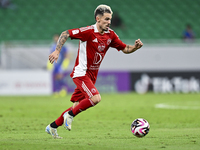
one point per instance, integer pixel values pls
(101, 31)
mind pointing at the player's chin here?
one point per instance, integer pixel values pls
(106, 28)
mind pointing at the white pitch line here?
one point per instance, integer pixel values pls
(167, 106)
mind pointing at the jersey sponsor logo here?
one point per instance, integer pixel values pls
(108, 41)
(75, 32)
(97, 58)
(95, 40)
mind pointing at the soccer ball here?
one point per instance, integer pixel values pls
(140, 127)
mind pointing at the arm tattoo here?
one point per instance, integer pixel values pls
(127, 48)
(62, 39)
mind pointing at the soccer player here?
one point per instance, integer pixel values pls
(94, 42)
(58, 69)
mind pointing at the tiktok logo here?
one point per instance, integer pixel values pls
(164, 84)
(142, 85)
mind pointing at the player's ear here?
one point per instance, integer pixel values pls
(98, 18)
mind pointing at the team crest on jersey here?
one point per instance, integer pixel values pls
(101, 47)
(108, 41)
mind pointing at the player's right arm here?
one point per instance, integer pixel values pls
(61, 41)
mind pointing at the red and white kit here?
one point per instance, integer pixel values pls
(92, 49)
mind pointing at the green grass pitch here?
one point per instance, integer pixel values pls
(174, 123)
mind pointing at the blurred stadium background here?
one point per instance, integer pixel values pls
(165, 64)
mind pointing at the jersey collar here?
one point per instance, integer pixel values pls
(96, 30)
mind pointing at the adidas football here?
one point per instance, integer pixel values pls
(140, 127)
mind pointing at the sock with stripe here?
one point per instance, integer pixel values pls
(83, 105)
(60, 119)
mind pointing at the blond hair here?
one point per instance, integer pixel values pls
(101, 9)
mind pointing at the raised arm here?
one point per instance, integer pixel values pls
(61, 41)
(132, 48)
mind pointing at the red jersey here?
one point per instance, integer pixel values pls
(92, 49)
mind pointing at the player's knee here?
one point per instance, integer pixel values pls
(75, 104)
(96, 98)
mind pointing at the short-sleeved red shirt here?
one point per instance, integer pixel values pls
(92, 49)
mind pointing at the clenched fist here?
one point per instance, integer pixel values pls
(138, 44)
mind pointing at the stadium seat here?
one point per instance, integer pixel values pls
(150, 19)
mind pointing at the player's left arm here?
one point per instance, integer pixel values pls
(132, 48)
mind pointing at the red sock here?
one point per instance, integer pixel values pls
(83, 105)
(60, 119)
